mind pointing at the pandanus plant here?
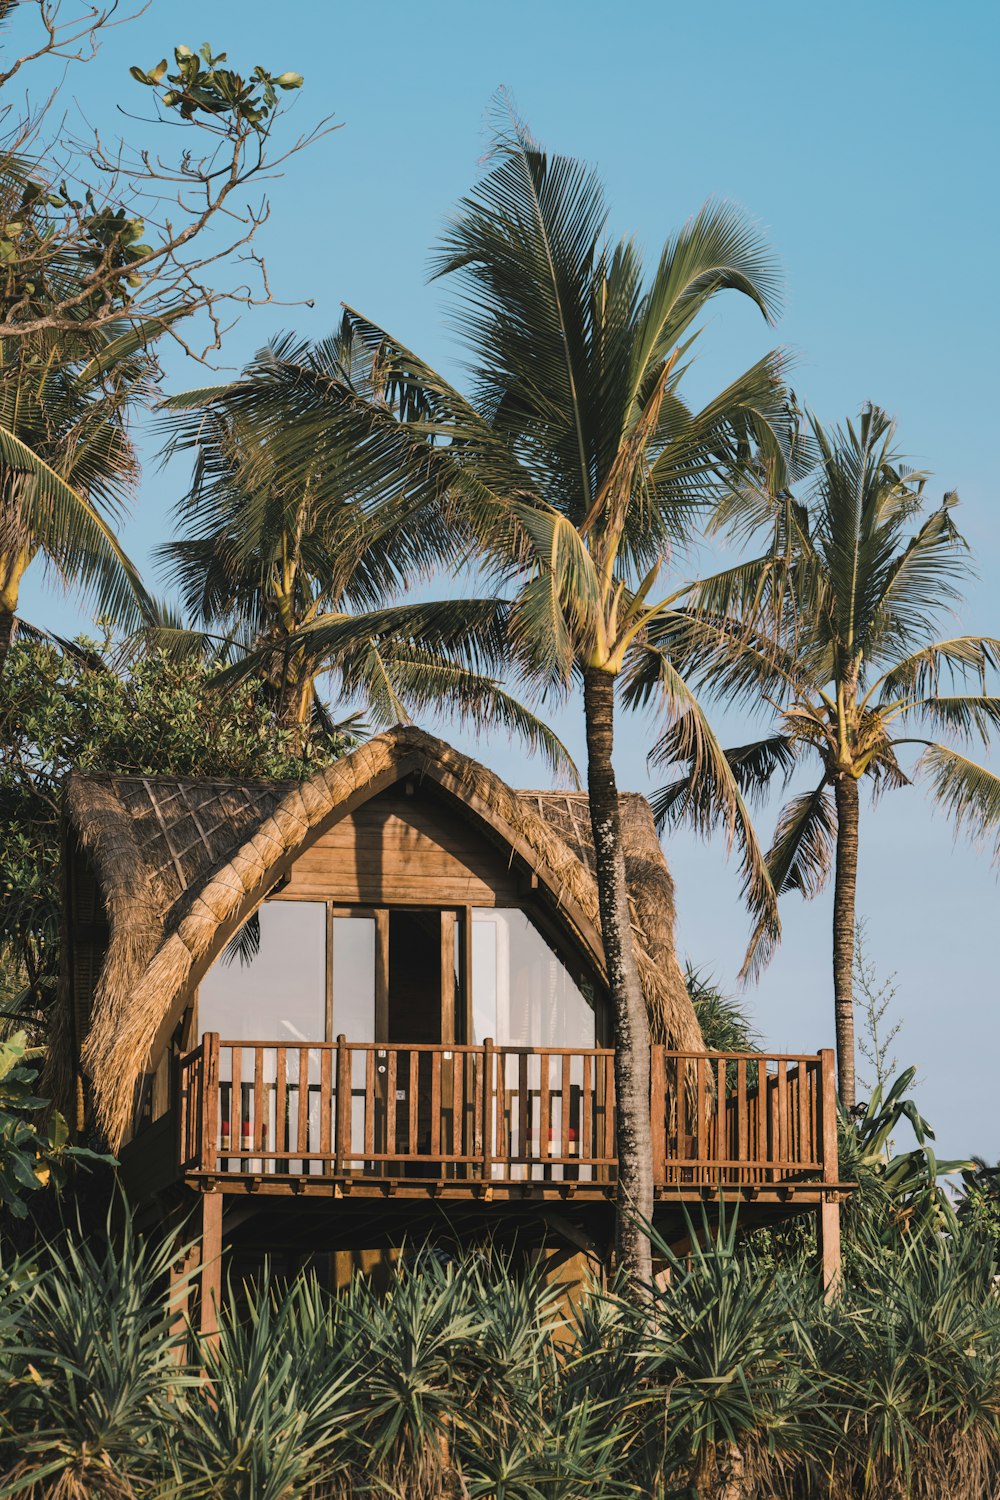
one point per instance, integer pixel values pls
(831, 633)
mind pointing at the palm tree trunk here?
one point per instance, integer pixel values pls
(845, 790)
(631, 1021)
(7, 618)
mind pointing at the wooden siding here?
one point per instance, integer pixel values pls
(87, 937)
(400, 849)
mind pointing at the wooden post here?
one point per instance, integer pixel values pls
(344, 1144)
(210, 1103)
(828, 1217)
(658, 1113)
(210, 1278)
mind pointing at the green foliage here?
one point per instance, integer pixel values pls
(899, 1193)
(94, 1369)
(472, 1378)
(979, 1203)
(202, 86)
(32, 1154)
(67, 706)
(725, 1026)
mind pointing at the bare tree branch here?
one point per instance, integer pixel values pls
(93, 233)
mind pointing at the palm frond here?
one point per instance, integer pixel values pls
(76, 540)
(711, 794)
(799, 859)
(968, 792)
(921, 672)
(966, 715)
(720, 249)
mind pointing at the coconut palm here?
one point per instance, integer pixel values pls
(576, 467)
(286, 577)
(832, 633)
(67, 465)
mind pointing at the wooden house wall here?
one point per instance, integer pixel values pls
(404, 849)
(88, 937)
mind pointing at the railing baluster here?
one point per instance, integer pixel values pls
(783, 1152)
(742, 1135)
(391, 1103)
(458, 1147)
(412, 1099)
(658, 1113)
(523, 1116)
(702, 1117)
(587, 1122)
(435, 1103)
(719, 1149)
(544, 1115)
(608, 1141)
(487, 1111)
(566, 1094)
(280, 1106)
(210, 1111)
(303, 1121)
(257, 1102)
(501, 1143)
(370, 1103)
(236, 1107)
(344, 1144)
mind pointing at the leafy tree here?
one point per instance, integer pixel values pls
(831, 631)
(32, 1155)
(94, 232)
(577, 467)
(66, 706)
(291, 575)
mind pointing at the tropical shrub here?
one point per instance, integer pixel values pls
(33, 1150)
(470, 1377)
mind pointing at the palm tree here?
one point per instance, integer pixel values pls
(67, 464)
(287, 578)
(576, 468)
(832, 632)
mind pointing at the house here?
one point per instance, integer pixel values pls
(341, 1014)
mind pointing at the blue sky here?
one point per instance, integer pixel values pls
(864, 138)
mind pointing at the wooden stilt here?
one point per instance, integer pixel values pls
(828, 1240)
(828, 1216)
(183, 1274)
(211, 1264)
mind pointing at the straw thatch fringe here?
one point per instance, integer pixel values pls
(159, 952)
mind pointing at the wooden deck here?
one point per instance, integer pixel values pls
(463, 1122)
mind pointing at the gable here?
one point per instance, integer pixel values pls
(405, 846)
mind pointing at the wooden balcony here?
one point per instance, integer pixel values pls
(360, 1118)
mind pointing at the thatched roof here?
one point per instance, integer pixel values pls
(182, 863)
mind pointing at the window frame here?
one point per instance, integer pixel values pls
(456, 1019)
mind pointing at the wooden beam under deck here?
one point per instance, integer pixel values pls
(251, 1184)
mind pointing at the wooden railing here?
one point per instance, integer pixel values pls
(492, 1114)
